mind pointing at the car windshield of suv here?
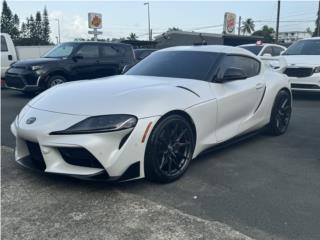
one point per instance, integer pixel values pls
(176, 64)
(304, 47)
(61, 51)
(254, 49)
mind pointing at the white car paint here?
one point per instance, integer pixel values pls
(220, 112)
(304, 61)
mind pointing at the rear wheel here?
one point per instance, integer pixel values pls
(169, 149)
(281, 114)
(55, 80)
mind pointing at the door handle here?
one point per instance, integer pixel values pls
(10, 57)
(259, 86)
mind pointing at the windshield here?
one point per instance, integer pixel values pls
(304, 47)
(254, 49)
(176, 64)
(61, 51)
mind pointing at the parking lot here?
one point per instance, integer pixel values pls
(263, 187)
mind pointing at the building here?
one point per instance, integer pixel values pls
(290, 37)
(184, 38)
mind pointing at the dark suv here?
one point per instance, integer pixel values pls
(68, 62)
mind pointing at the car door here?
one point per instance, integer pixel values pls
(237, 99)
(6, 56)
(111, 59)
(86, 62)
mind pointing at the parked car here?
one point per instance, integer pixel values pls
(153, 120)
(11, 53)
(264, 49)
(303, 65)
(68, 62)
(142, 53)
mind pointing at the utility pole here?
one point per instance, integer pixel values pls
(278, 20)
(149, 29)
(239, 27)
(59, 39)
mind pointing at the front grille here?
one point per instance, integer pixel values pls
(305, 86)
(14, 81)
(79, 157)
(36, 155)
(31, 79)
(298, 72)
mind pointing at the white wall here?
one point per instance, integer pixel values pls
(25, 52)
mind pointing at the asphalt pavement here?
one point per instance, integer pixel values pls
(264, 187)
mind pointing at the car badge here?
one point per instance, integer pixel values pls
(31, 120)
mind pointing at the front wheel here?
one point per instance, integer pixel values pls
(55, 80)
(169, 149)
(281, 114)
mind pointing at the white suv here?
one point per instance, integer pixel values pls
(303, 65)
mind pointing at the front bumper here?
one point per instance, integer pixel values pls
(22, 79)
(110, 160)
(306, 84)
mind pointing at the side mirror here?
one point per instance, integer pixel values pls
(77, 57)
(267, 55)
(126, 68)
(233, 74)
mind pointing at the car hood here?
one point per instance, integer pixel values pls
(142, 96)
(302, 60)
(35, 61)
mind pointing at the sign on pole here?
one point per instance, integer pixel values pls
(229, 25)
(95, 23)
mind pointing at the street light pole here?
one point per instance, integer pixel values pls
(278, 20)
(57, 19)
(149, 29)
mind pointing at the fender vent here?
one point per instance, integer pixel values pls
(189, 90)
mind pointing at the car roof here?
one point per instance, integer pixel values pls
(107, 43)
(263, 44)
(211, 48)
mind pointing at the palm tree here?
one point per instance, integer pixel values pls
(247, 26)
(132, 36)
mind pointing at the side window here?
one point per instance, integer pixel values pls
(249, 66)
(89, 51)
(277, 51)
(112, 51)
(4, 47)
(267, 50)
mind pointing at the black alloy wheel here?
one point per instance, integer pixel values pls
(281, 114)
(169, 149)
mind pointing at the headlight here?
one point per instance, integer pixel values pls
(97, 124)
(36, 67)
(316, 70)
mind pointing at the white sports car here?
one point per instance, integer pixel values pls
(153, 120)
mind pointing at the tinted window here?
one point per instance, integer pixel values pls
(249, 66)
(141, 54)
(89, 51)
(267, 50)
(4, 47)
(176, 64)
(277, 51)
(254, 49)
(60, 51)
(304, 47)
(112, 51)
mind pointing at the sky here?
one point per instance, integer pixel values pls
(120, 18)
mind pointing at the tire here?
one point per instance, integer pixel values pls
(281, 114)
(55, 80)
(169, 149)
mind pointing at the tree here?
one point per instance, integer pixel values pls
(266, 32)
(38, 28)
(45, 27)
(174, 29)
(247, 26)
(316, 32)
(132, 36)
(9, 22)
